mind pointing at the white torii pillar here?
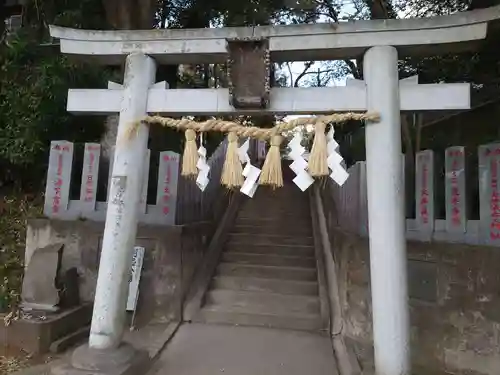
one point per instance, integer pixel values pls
(123, 204)
(386, 216)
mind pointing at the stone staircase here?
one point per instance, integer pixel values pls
(267, 275)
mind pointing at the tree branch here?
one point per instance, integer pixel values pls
(307, 66)
(353, 68)
(290, 72)
(319, 71)
(330, 9)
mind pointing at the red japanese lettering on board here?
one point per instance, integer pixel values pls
(58, 182)
(63, 148)
(455, 156)
(424, 189)
(166, 194)
(495, 195)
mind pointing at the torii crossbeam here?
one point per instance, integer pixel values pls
(307, 100)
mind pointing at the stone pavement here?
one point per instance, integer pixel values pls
(199, 349)
(202, 349)
(151, 338)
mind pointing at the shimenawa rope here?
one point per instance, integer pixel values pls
(271, 171)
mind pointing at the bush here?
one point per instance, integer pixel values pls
(34, 80)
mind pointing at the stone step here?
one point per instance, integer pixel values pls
(285, 250)
(292, 202)
(273, 229)
(269, 260)
(72, 339)
(289, 200)
(238, 316)
(265, 221)
(270, 209)
(306, 288)
(275, 216)
(286, 191)
(258, 302)
(268, 239)
(267, 272)
(280, 194)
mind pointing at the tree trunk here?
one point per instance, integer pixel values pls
(130, 14)
(381, 9)
(3, 16)
(124, 15)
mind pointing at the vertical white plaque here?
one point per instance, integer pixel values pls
(424, 190)
(144, 193)
(58, 178)
(489, 192)
(135, 277)
(456, 214)
(90, 172)
(168, 175)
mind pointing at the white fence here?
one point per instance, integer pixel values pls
(178, 200)
(352, 210)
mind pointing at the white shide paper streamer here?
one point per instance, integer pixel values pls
(303, 179)
(203, 167)
(250, 172)
(339, 174)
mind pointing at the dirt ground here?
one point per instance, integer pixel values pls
(13, 359)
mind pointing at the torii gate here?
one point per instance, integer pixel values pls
(381, 42)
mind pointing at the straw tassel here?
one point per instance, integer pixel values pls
(232, 171)
(271, 170)
(318, 163)
(190, 156)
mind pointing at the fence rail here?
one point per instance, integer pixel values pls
(456, 225)
(178, 200)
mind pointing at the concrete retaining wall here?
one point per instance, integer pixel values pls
(171, 257)
(455, 309)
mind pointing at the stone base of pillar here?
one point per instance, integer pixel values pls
(125, 360)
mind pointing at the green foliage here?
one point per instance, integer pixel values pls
(34, 81)
(82, 14)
